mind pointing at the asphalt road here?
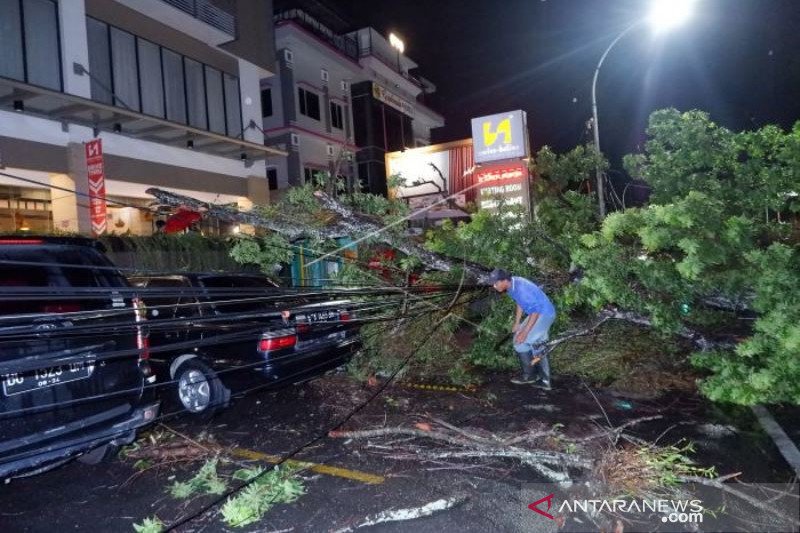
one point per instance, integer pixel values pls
(352, 480)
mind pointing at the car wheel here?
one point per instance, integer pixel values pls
(103, 454)
(199, 389)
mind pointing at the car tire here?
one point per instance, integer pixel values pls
(103, 454)
(198, 389)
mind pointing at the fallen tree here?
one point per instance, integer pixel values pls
(341, 221)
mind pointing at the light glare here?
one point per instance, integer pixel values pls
(668, 14)
(397, 42)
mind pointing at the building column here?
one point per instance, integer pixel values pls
(74, 46)
(71, 211)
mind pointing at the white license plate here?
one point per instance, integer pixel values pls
(20, 382)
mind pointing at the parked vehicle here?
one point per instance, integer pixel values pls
(218, 341)
(73, 366)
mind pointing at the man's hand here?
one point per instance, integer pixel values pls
(522, 333)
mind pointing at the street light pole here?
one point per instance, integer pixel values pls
(596, 125)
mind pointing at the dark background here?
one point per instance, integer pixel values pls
(737, 59)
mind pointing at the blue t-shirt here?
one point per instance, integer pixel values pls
(530, 297)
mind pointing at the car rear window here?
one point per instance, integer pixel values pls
(238, 282)
(178, 303)
(50, 271)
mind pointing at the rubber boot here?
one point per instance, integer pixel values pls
(525, 366)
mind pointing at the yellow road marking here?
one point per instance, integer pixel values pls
(445, 388)
(364, 477)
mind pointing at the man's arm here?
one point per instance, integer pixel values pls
(517, 319)
(529, 323)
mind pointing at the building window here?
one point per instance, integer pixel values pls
(272, 178)
(216, 98)
(100, 61)
(309, 174)
(174, 86)
(337, 116)
(195, 93)
(151, 80)
(129, 71)
(309, 103)
(29, 49)
(266, 102)
(233, 105)
(125, 70)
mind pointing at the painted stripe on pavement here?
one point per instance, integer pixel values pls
(357, 475)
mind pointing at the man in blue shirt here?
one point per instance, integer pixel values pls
(529, 334)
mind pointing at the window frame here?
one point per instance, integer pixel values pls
(303, 99)
(204, 67)
(23, 42)
(264, 113)
(337, 110)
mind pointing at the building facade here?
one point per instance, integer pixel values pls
(170, 87)
(340, 100)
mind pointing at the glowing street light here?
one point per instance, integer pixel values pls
(664, 15)
(398, 44)
(668, 14)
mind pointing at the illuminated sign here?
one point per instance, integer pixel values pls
(392, 100)
(97, 186)
(503, 184)
(500, 136)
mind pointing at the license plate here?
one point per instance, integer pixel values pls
(42, 378)
(322, 316)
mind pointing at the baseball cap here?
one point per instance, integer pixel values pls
(498, 274)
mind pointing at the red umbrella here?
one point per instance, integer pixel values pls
(182, 219)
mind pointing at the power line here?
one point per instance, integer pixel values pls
(321, 436)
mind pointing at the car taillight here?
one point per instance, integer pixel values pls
(277, 340)
(344, 316)
(142, 341)
(21, 241)
(61, 308)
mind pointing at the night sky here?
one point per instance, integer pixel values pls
(737, 59)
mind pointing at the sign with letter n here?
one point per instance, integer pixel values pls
(500, 136)
(97, 186)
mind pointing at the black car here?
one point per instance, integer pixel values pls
(214, 335)
(73, 355)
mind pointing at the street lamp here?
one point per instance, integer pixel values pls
(664, 15)
(398, 44)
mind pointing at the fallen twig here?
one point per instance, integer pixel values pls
(407, 514)
(755, 502)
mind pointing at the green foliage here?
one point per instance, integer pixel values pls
(190, 251)
(386, 346)
(667, 465)
(720, 225)
(206, 481)
(150, 525)
(279, 485)
(265, 251)
(491, 347)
